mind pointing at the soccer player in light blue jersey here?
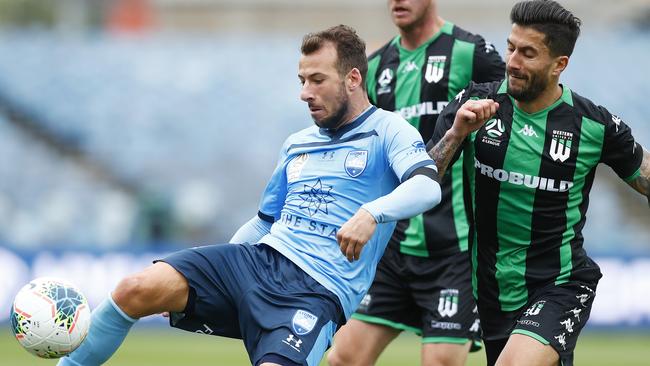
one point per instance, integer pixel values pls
(310, 253)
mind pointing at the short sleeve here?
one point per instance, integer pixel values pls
(620, 151)
(446, 120)
(488, 64)
(404, 148)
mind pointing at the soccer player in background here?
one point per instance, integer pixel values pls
(323, 223)
(532, 166)
(423, 282)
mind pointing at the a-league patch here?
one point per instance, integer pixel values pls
(355, 162)
(303, 322)
(294, 169)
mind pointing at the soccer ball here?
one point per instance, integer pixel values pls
(50, 317)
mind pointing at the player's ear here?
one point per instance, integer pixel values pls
(353, 79)
(561, 62)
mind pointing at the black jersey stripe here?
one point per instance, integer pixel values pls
(386, 75)
(489, 152)
(356, 136)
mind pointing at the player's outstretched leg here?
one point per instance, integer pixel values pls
(360, 343)
(157, 289)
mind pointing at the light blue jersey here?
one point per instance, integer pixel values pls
(321, 180)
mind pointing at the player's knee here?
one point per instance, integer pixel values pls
(341, 357)
(131, 294)
(445, 354)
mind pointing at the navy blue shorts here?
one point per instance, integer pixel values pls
(254, 293)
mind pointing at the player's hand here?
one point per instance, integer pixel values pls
(473, 114)
(355, 233)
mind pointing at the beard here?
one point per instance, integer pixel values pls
(536, 85)
(341, 109)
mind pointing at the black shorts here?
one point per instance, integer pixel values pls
(554, 315)
(431, 297)
(254, 293)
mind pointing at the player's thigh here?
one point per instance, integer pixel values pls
(360, 343)
(524, 350)
(157, 288)
(445, 354)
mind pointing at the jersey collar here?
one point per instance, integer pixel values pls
(336, 134)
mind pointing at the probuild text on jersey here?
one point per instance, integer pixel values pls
(530, 181)
(421, 109)
(316, 227)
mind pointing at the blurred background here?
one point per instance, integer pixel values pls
(130, 128)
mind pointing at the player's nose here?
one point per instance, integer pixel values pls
(306, 94)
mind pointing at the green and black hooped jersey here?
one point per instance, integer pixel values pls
(418, 84)
(529, 176)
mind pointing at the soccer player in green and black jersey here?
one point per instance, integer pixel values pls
(423, 281)
(531, 166)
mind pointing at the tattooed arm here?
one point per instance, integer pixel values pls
(469, 118)
(642, 182)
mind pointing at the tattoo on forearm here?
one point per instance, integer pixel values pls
(642, 182)
(443, 152)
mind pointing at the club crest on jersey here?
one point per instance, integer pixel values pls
(560, 148)
(355, 162)
(435, 68)
(303, 322)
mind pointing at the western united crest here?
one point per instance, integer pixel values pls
(560, 148)
(355, 162)
(448, 303)
(303, 322)
(435, 68)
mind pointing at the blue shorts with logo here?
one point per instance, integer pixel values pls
(254, 293)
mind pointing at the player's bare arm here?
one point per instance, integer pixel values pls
(642, 182)
(469, 118)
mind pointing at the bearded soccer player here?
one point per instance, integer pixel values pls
(531, 146)
(423, 282)
(323, 223)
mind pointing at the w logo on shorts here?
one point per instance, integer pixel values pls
(448, 303)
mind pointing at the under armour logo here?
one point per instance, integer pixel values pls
(293, 342)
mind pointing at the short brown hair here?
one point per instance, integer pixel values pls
(350, 48)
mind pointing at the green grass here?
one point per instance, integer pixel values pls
(161, 346)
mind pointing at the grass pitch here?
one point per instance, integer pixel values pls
(165, 346)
